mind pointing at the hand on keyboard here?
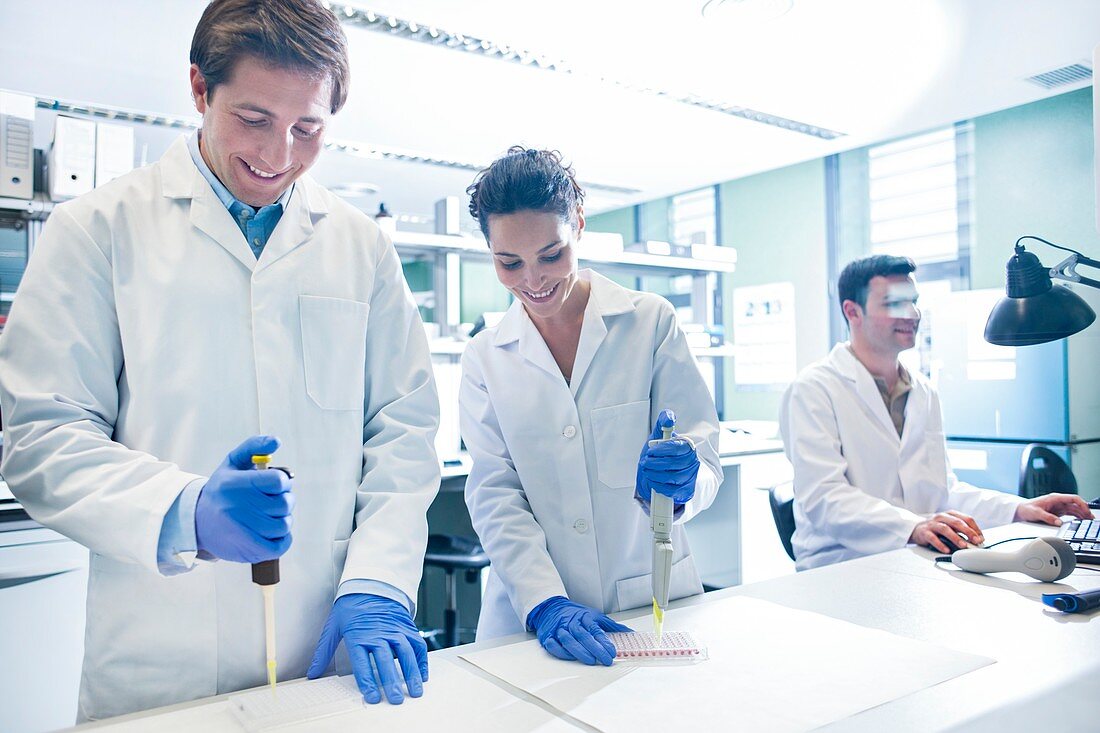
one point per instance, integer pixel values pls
(1048, 507)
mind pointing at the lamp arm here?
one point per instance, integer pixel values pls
(1066, 270)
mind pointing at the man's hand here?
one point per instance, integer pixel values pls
(375, 628)
(1049, 507)
(952, 526)
(242, 514)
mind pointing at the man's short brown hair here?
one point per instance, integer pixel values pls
(302, 35)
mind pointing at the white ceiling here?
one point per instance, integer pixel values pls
(872, 69)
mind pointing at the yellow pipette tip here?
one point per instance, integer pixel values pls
(658, 620)
(271, 673)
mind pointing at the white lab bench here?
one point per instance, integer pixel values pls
(43, 579)
(43, 586)
(1046, 672)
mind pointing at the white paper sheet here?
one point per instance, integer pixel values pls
(771, 668)
(455, 700)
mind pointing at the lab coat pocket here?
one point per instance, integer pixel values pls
(334, 350)
(618, 433)
(638, 591)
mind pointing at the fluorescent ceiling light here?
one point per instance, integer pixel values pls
(419, 32)
(746, 11)
(354, 189)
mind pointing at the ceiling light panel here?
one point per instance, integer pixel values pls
(444, 38)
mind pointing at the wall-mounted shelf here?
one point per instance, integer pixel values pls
(37, 208)
(455, 347)
(713, 351)
(434, 243)
(447, 346)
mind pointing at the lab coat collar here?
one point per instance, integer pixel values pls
(306, 206)
(181, 179)
(611, 298)
(605, 299)
(849, 367)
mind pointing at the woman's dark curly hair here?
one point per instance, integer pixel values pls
(525, 180)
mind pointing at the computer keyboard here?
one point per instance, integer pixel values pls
(1083, 536)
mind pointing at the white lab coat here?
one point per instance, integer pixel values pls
(145, 343)
(858, 488)
(551, 490)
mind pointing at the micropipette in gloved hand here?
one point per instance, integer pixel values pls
(660, 521)
(266, 575)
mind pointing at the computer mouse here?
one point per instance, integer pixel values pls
(951, 547)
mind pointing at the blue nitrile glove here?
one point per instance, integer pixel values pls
(571, 631)
(669, 468)
(243, 514)
(373, 626)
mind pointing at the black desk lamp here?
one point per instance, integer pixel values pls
(1036, 310)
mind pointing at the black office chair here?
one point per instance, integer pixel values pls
(1042, 471)
(453, 553)
(781, 499)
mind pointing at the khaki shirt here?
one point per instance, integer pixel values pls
(895, 401)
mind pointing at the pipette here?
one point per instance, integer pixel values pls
(660, 521)
(266, 575)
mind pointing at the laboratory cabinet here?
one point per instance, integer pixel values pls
(43, 588)
(993, 465)
(735, 540)
(998, 399)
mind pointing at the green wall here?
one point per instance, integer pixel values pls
(653, 220)
(619, 221)
(418, 274)
(1033, 175)
(776, 220)
(480, 290)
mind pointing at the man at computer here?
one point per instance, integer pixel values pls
(866, 439)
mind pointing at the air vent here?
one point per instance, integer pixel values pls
(1062, 76)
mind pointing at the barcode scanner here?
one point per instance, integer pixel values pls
(1046, 558)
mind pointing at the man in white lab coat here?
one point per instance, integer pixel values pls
(866, 439)
(218, 294)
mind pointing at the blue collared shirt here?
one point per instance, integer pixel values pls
(256, 226)
(177, 545)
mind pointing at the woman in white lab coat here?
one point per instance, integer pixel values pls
(556, 403)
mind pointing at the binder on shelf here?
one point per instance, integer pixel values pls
(114, 151)
(16, 145)
(713, 252)
(447, 215)
(658, 247)
(606, 245)
(71, 161)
